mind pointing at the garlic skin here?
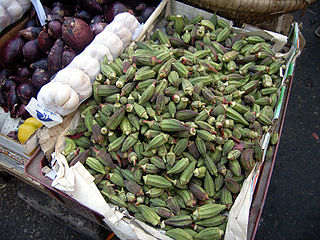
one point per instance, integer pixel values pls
(15, 11)
(98, 51)
(72, 103)
(59, 98)
(25, 4)
(77, 79)
(128, 20)
(6, 3)
(121, 30)
(4, 18)
(110, 40)
(44, 95)
(11, 11)
(87, 64)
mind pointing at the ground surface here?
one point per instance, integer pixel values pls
(292, 208)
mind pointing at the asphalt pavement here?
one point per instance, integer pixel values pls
(292, 208)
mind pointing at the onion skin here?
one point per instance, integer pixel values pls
(3, 75)
(55, 56)
(3, 101)
(31, 33)
(13, 135)
(84, 15)
(131, 3)
(45, 41)
(42, 64)
(103, 1)
(113, 9)
(31, 23)
(97, 28)
(12, 101)
(67, 56)
(54, 29)
(22, 112)
(11, 54)
(46, 10)
(146, 14)
(76, 33)
(31, 51)
(40, 77)
(54, 17)
(92, 6)
(25, 92)
(9, 86)
(96, 19)
(60, 10)
(23, 74)
(141, 7)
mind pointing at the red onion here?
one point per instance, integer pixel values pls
(31, 23)
(92, 6)
(97, 28)
(12, 99)
(25, 92)
(61, 10)
(40, 77)
(96, 19)
(131, 3)
(84, 15)
(42, 64)
(54, 29)
(3, 75)
(31, 51)
(54, 17)
(113, 9)
(3, 101)
(23, 74)
(146, 14)
(11, 54)
(31, 33)
(103, 1)
(141, 7)
(55, 56)
(76, 33)
(67, 56)
(45, 41)
(46, 10)
(9, 86)
(22, 112)
(13, 135)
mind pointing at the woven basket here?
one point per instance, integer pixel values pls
(253, 12)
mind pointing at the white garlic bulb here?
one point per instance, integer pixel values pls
(121, 30)
(87, 64)
(25, 4)
(128, 20)
(110, 40)
(98, 51)
(15, 11)
(4, 18)
(59, 98)
(77, 79)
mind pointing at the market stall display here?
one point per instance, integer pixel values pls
(180, 121)
(175, 124)
(11, 11)
(32, 57)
